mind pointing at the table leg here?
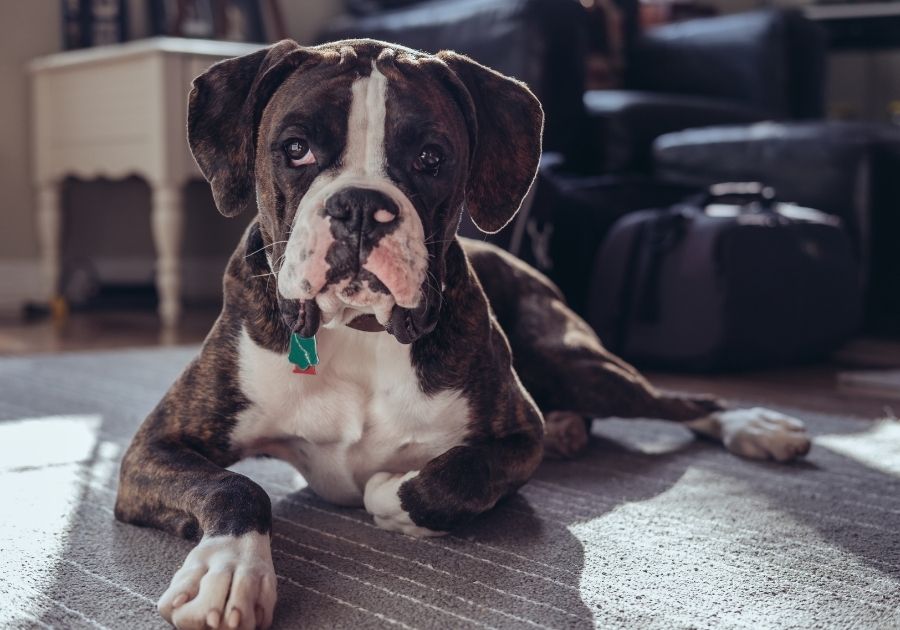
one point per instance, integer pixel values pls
(167, 222)
(49, 219)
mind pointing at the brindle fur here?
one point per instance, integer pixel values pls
(173, 475)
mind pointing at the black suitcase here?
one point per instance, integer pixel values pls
(562, 224)
(728, 280)
(561, 227)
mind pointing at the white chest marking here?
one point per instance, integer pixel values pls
(363, 413)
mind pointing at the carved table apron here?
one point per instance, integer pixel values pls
(112, 112)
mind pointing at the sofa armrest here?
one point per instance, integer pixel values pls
(623, 124)
(771, 60)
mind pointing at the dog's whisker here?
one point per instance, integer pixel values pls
(435, 287)
(432, 238)
(273, 244)
(443, 240)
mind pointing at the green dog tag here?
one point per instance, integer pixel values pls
(303, 354)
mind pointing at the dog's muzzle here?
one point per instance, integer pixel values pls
(356, 247)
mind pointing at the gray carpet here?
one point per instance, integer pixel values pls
(650, 529)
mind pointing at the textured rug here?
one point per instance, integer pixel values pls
(649, 529)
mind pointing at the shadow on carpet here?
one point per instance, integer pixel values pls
(649, 529)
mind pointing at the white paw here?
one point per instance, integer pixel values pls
(226, 582)
(383, 503)
(761, 433)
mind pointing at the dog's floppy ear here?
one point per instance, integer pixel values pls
(224, 108)
(507, 128)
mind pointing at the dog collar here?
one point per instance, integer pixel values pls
(303, 354)
(365, 323)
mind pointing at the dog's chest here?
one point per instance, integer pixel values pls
(363, 413)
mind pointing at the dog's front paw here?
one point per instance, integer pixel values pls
(226, 582)
(383, 503)
(761, 433)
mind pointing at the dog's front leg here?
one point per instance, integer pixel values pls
(454, 487)
(226, 581)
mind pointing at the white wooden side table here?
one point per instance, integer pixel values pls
(113, 112)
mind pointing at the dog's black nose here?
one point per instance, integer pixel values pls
(362, 207)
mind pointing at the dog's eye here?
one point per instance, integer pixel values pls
(298, 152)
(429, 160)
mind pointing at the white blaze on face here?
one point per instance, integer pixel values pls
(399, 260)
(364, 154)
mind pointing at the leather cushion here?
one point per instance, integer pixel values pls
(772, 60)
(625, 123)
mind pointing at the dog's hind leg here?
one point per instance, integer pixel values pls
(565, 367)
(574, 379)
(559, 358)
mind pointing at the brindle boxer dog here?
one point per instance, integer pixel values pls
(438, 355)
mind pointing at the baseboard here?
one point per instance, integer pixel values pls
(21, 282)
(201, 277)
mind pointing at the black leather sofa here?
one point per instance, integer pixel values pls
(719, 74)
(742, 68)
(725, 70)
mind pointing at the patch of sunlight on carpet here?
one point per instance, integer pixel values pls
(878, 447)
(41, 458)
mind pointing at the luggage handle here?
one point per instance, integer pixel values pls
(757, 198)
(760, 197)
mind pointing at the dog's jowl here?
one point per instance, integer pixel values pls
(436, 356)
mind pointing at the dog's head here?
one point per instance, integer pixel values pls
(359, 157)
